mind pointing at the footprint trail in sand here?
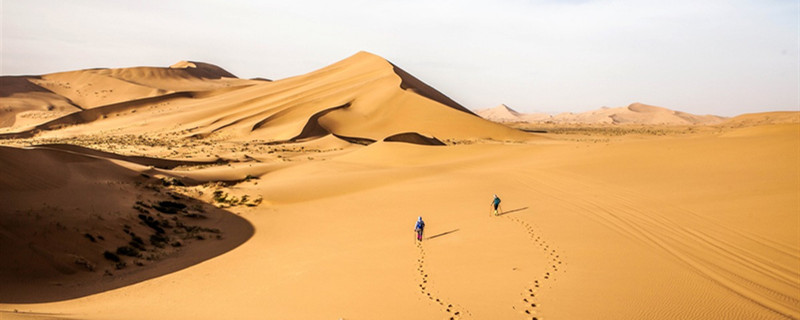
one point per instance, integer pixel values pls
(453, 311)
(529, 306)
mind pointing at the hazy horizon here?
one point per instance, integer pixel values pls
(720, 57)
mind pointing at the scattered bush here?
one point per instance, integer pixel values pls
(151, 222)
(141, 209)
(90, 237)
(220, 196)
(111, 256)
(136, 239)
(138, 245)
(226, 200)
(158, 240)
(142, 204)
(172, 182)
(169, 207)
(128, 251)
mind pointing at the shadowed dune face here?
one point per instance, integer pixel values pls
(415, 138)
(410, 82)
(74, 225)
(202, 70)
(10, 85)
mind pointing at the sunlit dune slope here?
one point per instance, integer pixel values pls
(98, 87)
(26, 101)
(23, 103)
(363, 97)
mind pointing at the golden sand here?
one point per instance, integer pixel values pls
(296, 207)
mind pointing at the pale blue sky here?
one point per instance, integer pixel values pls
(706, 57)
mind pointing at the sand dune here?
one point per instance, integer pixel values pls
(33, 100)
(23, 103)
(760, 119)
(315, 181)
(635, 113)
(362, 97)
(501, 113)
(63, 210)
(99, 87)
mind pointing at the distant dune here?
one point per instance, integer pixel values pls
(764, 118)
(636, 113)
(24, 103)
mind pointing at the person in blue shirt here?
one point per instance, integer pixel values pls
(496, 204)
(419, 228)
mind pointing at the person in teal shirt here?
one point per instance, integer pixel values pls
(496, 204)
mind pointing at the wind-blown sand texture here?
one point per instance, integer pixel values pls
(300, 197)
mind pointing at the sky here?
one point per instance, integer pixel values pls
(704, 57)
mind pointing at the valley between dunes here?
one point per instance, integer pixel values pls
(296, 199)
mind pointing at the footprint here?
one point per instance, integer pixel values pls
(424, 289)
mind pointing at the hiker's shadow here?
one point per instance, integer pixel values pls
(512, 211)
(441, 234)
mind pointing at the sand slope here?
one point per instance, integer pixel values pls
(62, 209)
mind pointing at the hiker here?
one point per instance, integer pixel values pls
(419, 228)
(496, 204)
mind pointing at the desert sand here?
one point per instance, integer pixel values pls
(296, 199)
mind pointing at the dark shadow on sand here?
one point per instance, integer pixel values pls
(441, 234)
(238, 231)
(512, 211)
(221, 230)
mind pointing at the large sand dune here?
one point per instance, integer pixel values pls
(315, 182)
(363, 97)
